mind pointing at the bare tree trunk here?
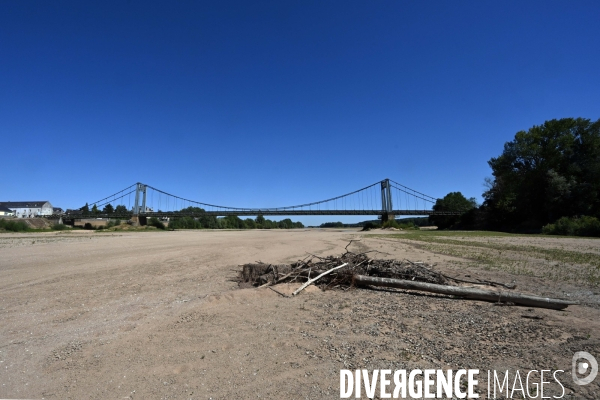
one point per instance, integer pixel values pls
(470, 293)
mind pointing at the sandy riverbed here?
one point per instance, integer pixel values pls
(159, 315)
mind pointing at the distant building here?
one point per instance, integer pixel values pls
(28, 209)
(6, 212)
(58, 211)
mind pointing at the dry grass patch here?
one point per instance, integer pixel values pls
(532, 257)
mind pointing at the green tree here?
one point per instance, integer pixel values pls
(108, 209)
(95, 210)
(454, 201)
(332, 225)
(285, 224)
(121, 209)
(85, 210)
(260, 221)
(156, 223)
(547, 172)
(208, 221)
(232, 222)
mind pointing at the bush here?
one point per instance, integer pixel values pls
(391, 224)
(88, 226)
(111, 223)
(574, 226)
(332, 225)
(156, 223)
(370, 225)
(59, 227)
(409, 226)
(404, 226)
(13, 226)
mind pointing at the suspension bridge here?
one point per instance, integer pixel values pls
(385, 199)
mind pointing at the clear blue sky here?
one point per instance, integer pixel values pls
(277, 103)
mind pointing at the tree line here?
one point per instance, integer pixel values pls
(108, 209)
(546, 179)
(202, 220)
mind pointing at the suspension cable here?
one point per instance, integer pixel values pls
(412, 190)
(267, 208)
(112, 195)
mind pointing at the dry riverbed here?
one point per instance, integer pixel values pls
(155, 315)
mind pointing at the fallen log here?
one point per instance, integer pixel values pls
(469, 293)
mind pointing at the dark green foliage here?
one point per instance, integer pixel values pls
(121, 209)
(408, 226)
(203, 221)
(391, 224)
(231, 222)
(13, 226)
(95, 210)
(156, 223)
(263, 223)
(416, 221)
(59, 227)
(289, 224)
(108, 209)
(454, 201)
(582, 226)
(332, 225)
(474, 219)
(550, 171)
(85, 210)
(370, 225)
(185, 223)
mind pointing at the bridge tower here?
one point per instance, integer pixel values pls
(140, 191)
(386, 201)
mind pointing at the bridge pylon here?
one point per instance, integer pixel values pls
(386, 201)
(140, 194)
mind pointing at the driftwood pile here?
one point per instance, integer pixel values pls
(358, 269)
(260, 274)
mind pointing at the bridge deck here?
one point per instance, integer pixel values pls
(265, 213)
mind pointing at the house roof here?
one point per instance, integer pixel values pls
(24, 204)
(5, 209)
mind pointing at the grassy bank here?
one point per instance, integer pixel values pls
(574, 259)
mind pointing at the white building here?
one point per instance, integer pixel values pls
(6, 212)
(28, 209)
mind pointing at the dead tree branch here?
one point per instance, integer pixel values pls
(469, 293)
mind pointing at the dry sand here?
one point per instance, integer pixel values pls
(158, 315)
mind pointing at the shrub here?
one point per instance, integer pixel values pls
(156, 223)
(574, 226)
(59, 227)
(332, 225)
(14, 226)
(111, 223)
(409, 226)
(391, 224)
